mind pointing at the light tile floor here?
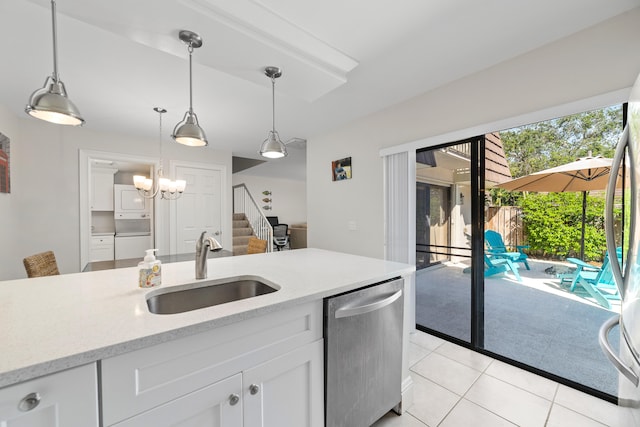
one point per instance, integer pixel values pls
(457, 387)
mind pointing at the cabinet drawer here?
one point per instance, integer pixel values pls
(68, 398)
(135, 382)
(102, 241)
(102, 248)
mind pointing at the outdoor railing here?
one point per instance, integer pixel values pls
(243, 202)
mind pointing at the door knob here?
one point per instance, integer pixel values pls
(234, 399)
(29, 402)
(254, 389)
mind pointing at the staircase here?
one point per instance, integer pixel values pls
(248, 220)
(242, 231)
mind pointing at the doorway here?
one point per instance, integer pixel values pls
(432, 224)
(92, 220)
(202, 207)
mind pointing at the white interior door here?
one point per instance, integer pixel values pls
(200, 207)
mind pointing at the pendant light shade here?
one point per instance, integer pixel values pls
(51, 103)
(273, 147)
(188, 131)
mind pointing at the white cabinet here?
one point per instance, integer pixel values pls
(129, 204)
(102, 248)
(286, 391)
(102, 189)
(283, 392)
(65, 399)
(128, 247)
(217, 405)
(270, 368)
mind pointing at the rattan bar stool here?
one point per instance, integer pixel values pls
(256, 246)
(42, 264)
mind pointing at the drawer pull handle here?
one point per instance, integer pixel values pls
(254, 389)
(234, 399)
(29, 402)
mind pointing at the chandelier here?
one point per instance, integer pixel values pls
(166, 188)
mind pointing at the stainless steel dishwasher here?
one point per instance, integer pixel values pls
(363, 354)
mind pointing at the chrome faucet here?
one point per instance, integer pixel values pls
(201, 253)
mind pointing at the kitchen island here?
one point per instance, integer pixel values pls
(133, 262)
(52, 324)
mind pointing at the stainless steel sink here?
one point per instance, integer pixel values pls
(205, 294)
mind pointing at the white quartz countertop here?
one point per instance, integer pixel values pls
(53, 323)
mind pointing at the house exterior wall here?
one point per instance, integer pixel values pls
(590, 63)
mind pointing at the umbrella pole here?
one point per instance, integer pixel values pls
(584, 214)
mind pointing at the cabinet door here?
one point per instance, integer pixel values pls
(129, 204)
(217, 405)
(101, 249)
(65, 399)
(102, 190)
(287, 391)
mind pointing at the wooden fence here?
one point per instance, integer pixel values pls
(506, 220)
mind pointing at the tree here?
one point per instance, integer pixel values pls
(534, 147)
(553, 221)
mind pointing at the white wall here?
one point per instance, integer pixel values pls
(42, 211)
(596, 61)
(289, 196)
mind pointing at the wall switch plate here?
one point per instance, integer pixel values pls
(351, 225)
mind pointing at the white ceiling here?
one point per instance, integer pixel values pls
(341, 59)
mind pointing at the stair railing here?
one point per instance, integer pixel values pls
(243, 202)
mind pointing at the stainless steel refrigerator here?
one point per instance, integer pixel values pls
(624, 182)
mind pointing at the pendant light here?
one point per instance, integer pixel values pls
(51, 103)
(272, 147)
(188, 131)
(168, 189)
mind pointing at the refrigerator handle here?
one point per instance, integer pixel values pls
(366, 308)
(603, 339)
(608, 211)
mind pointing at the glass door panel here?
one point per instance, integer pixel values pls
(443, 251)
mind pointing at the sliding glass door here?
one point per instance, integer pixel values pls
(496, 268)
(443, 240)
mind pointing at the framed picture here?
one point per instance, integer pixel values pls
(5, 184)
(341, 169)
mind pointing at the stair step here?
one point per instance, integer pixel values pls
(238, 216)
(243, 232)
(241, 240)
(242, 223)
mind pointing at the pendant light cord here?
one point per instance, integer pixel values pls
(160, 112)
(190, 80)
(273, 102)
(55, 41)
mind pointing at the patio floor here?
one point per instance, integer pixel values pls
(537, 321)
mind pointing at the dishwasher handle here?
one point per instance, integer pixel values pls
(367, 308)
(603, 339)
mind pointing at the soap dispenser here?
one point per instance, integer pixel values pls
(150, 270)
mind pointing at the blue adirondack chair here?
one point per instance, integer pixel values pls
(496, 265)
(496, 247)
(598, 282)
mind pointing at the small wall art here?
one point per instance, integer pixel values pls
(341, 169)
(5, 184)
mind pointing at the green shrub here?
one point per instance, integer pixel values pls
(553, 225)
